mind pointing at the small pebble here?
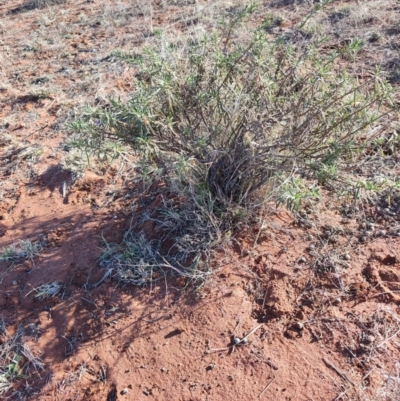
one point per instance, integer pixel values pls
(299, 325)
(370, 339)
(124, 391)
(346, 256)
(210, 367)
(236, 340)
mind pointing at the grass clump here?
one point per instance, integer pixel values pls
(183, 232)
(21, 251)
(17, 362)
(15, 155)
(47, 290)
(225, 118)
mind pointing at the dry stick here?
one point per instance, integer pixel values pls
(210, 351)
(237, 325)
(250, 332)
(267, 361)
(36, 130)
(339, 396)
(367, 374)
(266, 387)
(339, 372)
(388, 339)
(384, 293)
(352, 354)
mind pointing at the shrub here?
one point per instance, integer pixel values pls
(239, 107)
(228, 112)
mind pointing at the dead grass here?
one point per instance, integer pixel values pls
(48, 290)
(17, 365)
(21, 251)
(15, 156)
(32, 4)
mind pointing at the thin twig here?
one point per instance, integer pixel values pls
(210, 351)
(339, 372)
(237, 325)
(266, 387)
(36, 130)
(250, 332)
(388, 339)
(267, 361)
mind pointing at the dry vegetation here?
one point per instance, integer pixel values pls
(225, 144)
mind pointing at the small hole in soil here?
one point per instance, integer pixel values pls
(389, 260)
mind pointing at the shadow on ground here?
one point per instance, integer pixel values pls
(90, 310)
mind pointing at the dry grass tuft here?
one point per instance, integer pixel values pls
(17, 363)
(32, 4)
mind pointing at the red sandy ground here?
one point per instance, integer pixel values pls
(318, 337)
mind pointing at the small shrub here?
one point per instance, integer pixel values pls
(294, 193)
(227, 112)
(239, 107)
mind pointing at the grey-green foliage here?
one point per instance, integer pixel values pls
(16, 361)
(238, 106)
(47, 290)
(224, 119)
(22, 250)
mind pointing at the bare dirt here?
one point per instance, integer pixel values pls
(322, 289)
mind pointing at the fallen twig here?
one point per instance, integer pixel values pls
(210, 351)
(266, 387)
(271, 364)
(388, 339)
(339, 372)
